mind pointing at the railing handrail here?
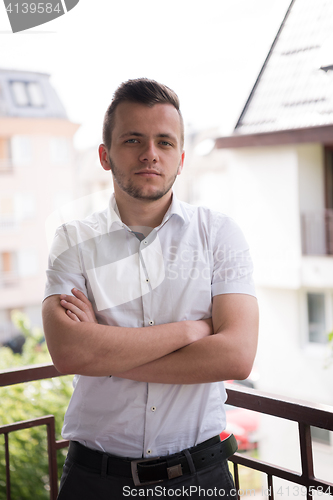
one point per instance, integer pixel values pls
(305, 413)
(28, 373)
(318, 415)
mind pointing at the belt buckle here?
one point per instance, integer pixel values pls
(135, 474)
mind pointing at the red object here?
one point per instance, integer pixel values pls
(243, 424)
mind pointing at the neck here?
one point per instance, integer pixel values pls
(142, 213)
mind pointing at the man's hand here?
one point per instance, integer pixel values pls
(79, 307)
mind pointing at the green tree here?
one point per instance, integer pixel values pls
(28, 447)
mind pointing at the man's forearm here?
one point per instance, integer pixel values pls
(229, 354)
(91, 349)
(210, 359)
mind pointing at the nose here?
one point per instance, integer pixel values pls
(149, 153)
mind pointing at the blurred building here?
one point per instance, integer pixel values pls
(274, 175)
(37, 176)
(94, 183)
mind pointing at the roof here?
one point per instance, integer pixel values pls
(28, 94)
(291, 91)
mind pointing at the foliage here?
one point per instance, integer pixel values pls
(330, 344)
(28, 447)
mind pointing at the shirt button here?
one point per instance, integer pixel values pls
(147, 280)
(145, 242)
(153, 408)
(149, 452)
(151, 322)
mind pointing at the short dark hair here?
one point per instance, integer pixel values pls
(143, 91)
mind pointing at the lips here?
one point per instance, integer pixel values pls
(148, 173)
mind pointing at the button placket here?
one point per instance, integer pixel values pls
(145, 277)
(145, 282)
(152, 418)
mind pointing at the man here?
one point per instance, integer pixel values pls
(151, 304)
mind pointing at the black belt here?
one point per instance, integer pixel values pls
(155, 469)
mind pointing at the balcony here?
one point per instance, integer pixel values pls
(6, 166)
(8, 223)
(306, 415)
(317, 232)
(9, 279)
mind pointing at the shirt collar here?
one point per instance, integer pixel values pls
(175, 209)
(113, 216)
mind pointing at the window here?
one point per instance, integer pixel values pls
(25, 206)
(317, 318)
(27, 262)
(27, 94)
(20, 94)
(35, 94)
(59, 150)
(21, 149)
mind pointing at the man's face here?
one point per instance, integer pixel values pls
(145, 155)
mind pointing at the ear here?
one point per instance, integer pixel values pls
(104, 157)
(181, 164)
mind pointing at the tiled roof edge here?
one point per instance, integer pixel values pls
(264, 65)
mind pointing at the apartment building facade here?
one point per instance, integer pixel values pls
(37, 176)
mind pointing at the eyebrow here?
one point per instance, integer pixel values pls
(138, 134)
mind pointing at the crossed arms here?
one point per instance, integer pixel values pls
(186, 352)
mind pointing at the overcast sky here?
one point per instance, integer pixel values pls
(209, 52)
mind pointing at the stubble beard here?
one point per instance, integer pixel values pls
(135, 191)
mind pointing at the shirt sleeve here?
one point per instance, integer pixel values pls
(64, 270)
(232, 263)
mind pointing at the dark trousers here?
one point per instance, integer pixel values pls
(80, 483)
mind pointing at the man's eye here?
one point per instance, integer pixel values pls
(166, 143)
(131, 141)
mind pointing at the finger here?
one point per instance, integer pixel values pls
(88, 308)
(69, 306)
(73, 316)
(80, 295)
(70, 299)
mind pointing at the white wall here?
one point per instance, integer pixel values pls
(258, 187)
(287, 363)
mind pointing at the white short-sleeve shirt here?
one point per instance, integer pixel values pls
(134, 281)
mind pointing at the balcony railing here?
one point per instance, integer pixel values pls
(6, 166)
(8, 222)
(305, 415)
(317, 232)
(9, 279)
